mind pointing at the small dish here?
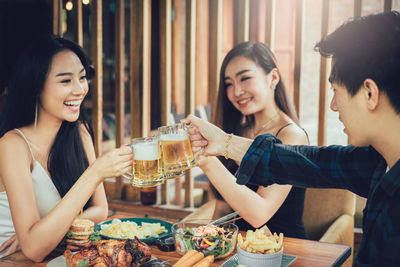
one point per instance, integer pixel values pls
(233, 261)
(138, 221)
(259, 260)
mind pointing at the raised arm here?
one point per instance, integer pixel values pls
(256, 207)
(214, 141)
(98, 209)
(39, 236)
(268, 161)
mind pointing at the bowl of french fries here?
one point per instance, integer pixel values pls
(260, 248)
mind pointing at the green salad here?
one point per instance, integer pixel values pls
(210, 240)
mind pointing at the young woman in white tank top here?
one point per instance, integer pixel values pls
(48, 168)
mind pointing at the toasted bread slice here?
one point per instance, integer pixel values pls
(82, 227)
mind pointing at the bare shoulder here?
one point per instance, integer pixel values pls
(87, 142)
(85, 135)
(17, 153)
(294, 135)
(12, 142)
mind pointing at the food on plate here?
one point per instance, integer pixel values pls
(111, 252)
(129, 229)
(78, 235)
(193, 258)
(205, 262)
(261, 243)
(218, 241)
(187, 255)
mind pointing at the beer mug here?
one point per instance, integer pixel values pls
(147, 169)
(176, 150)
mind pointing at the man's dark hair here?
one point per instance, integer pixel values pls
(366, 47)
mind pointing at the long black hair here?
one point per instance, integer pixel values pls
(67, 158)
(227, 117)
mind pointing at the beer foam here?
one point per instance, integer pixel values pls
(174, 137)
(146, 151)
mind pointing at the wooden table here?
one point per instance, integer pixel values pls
(309, 253)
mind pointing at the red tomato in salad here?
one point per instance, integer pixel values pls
(204, 244)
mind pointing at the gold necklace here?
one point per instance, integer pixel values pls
(265, 124)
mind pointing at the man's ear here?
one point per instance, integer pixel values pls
(371, 91)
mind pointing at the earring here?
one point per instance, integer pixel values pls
(273, 86)
(36, 115)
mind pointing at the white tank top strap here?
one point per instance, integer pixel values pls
(27, 142)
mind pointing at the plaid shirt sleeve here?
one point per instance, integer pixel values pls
(268, 161)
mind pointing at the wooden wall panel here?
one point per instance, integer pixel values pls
(97, 82)
(119, 82)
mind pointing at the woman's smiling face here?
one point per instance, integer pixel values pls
(248, 86)
(65, 87)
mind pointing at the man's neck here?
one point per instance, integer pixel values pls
(388, 144)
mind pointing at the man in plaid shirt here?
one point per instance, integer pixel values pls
(365, 77)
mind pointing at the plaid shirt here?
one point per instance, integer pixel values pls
(361, 170)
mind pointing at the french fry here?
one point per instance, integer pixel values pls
(260, 243)
(280, 241)
(240, 240)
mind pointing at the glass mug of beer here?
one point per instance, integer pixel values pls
(147, 169)
(176, 150)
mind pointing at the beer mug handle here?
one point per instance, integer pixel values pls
(128, 175)
(186, 125)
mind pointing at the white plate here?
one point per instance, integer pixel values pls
(233, 261)
(60, 261)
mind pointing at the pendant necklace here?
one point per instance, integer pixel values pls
(255, 133)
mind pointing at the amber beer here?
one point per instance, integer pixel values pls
(176, 149)
(147, 169)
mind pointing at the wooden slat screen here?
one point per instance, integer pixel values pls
(357, 8)
(298, 52)
(242, 13)
(270, 24)
(119, 82)
(139, 69)
(78, 22)
(166, 74)
(323, 78)
(57, 17)
(387, 5)
(215, 51)
(97, 83)
(190, 79)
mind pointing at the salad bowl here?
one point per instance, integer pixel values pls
(218, 240)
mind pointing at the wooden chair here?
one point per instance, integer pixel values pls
(329, 216)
